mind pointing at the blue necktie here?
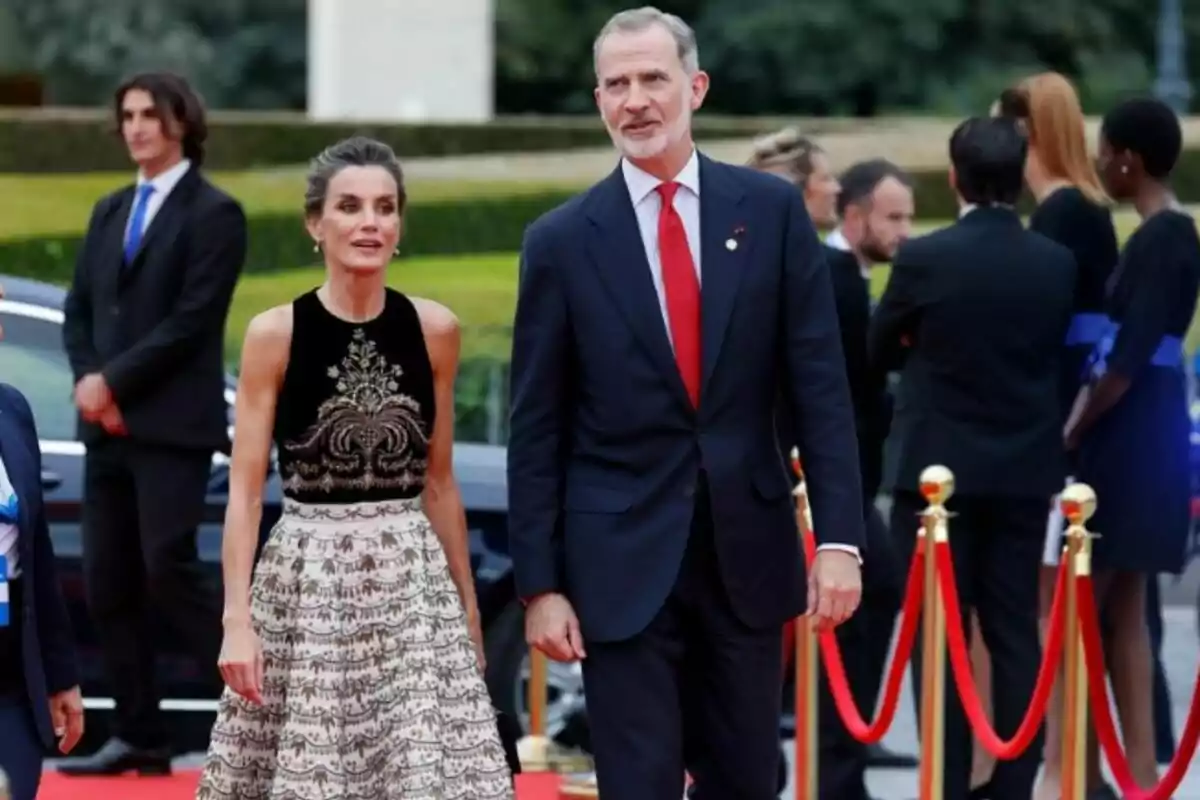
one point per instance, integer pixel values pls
(138, 221)
(9, 509)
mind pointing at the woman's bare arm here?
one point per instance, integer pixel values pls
(442, 500)
(264, 360)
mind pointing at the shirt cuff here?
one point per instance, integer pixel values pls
(845, 548)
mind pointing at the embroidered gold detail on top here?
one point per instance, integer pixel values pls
(368, 435)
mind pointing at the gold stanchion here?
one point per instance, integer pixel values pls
(937, 485)
(534, 749)
(1078, 503)
(807, 664)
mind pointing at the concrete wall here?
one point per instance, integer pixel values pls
(400, 60)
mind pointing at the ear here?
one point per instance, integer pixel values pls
(952, 180)
(313, 225)
(700, 82)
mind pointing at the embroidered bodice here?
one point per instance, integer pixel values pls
(356, 409)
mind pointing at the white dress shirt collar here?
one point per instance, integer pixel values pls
(166, 180)
(837, 240)
(642, 183)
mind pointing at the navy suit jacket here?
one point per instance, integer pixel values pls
(47, 644)
(605, 449)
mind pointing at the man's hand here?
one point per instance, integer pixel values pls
(113, 422)
(66, 713)
(92, 396)
(552, 627)
(834, 588)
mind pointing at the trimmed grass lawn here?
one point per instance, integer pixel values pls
(479, 288)
(58, 205)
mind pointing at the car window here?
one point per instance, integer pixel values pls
(32, 359)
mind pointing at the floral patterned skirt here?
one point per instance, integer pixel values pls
(371, 687)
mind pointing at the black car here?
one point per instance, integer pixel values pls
(32, 359)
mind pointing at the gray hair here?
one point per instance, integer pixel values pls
(635, 20)
(357, 151)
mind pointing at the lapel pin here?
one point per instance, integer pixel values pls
(731, 244)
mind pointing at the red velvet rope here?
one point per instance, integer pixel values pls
(839, 684)
(960, 662)
(1106, 729)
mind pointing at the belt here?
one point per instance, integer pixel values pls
(1168, 353)
(1087, 328)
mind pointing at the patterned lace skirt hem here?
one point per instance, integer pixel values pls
(371, 687)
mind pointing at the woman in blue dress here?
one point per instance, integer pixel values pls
(1130, 424)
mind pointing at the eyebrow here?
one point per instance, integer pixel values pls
(649, 73)
(351, 196)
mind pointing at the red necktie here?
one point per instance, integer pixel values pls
(682, 289)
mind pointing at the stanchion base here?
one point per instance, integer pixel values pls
(574, 787)
(536, 753)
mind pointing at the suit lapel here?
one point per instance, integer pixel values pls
(725, 244)
(168, 219)
(111, 255)
(616, 249)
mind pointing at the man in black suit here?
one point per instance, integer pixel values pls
(975, 314)
(876, 208)
(144, 329)
(40, 704)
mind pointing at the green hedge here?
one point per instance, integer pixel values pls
(83, 141)
(477, 225)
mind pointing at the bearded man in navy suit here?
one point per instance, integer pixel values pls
(660, 315)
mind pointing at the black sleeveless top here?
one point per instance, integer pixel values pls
(355, 413)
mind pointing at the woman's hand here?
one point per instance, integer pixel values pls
(241, 660)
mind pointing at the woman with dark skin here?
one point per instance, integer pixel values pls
(1129, 426)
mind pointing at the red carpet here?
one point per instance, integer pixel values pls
(182, 786)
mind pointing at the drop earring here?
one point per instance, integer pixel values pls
(396, 252)
(317, 246)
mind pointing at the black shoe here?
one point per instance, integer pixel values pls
(117, 757)
(880, 757)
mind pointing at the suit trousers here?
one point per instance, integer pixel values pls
(996, 545)
(142, 505)
(697, 690)
(20, 746)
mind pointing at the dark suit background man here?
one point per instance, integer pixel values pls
(40, 704)
(145, 320)
(975, 314)
(651, 523)
(876, 207)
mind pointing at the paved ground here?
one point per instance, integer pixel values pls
(1179, 652)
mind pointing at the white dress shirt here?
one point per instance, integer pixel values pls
(837, 240)
(163, 183)
(647, 204)
(8, 531)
